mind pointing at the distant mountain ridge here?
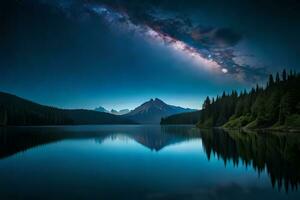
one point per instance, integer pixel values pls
(112, 111)
(152, 111)
(21, 112)
(101, 109)
(120, 112)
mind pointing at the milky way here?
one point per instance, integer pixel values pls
(211, 48)
(120, 19)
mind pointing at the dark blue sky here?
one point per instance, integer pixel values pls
(118, 54)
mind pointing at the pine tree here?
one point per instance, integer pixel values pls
(224, 94)
(279, 104)
(284, 75)
(285, 108)
(277, 78)
(257, 88)
(271, 80)
(206, 103)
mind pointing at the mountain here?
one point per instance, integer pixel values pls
(120, 112)
(182, 118)
(14, 140)
(113, 111)
(101, 109)
(153, 110)
(21, 112)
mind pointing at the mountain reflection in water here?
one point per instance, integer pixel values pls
(278, 153)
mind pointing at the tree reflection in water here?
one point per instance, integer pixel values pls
(278, 153)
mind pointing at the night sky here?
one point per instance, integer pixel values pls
(118, 54)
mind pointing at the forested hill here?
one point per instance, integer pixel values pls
(17, 111)
(182, 118)
(277, 106)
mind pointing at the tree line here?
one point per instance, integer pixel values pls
(15, 111)
(275, 105)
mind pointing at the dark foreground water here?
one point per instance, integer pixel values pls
(147, 162)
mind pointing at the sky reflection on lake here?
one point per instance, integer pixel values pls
(146, 162)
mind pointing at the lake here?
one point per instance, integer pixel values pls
(147, 162)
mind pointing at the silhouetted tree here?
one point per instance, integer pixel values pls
(18, 111)
(284, 75)
(206, 103)
(277, 104)
(271, 80)
(277, 78)
(265, 107)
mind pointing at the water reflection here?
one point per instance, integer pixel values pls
(17, 139)
(278, 154)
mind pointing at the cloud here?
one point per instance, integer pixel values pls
(227, 37)
(213, 44)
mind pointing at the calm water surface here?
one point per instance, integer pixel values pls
(147, 162)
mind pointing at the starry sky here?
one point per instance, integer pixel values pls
(118, 54)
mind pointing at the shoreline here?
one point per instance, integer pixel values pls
(257, 130)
